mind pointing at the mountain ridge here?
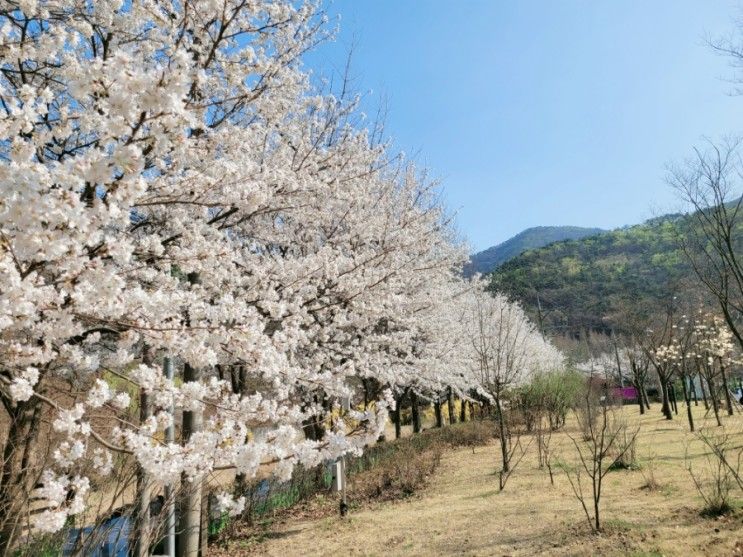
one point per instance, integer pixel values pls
(586, 284)
(487, 260)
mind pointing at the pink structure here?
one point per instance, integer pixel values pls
(625, 393)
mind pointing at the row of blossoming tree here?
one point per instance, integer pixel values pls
(176, 193)
(692, 356)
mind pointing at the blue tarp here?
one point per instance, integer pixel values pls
(111, 540)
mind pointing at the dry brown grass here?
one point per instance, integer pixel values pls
(462, 512)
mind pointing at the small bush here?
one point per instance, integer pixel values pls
(625, 452)
(719, 508)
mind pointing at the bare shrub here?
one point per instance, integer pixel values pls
(724, 450)
(625, 451)
(399, 477)
(605, 439)
(648, 471)
(544, 440)
(719, 474)
(468, 434)
(515, 451)
(587, 414)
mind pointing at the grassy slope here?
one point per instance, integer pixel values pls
(461, 511)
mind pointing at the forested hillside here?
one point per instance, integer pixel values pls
(536, 237)
(578, 285)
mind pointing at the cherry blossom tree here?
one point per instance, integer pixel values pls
(714, 351)
(505, 350)
(173, 187)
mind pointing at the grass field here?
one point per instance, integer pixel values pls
(461, 510)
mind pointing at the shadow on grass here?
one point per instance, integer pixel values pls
(277, 534)
(483, 495)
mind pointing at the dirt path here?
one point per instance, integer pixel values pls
(462, 512)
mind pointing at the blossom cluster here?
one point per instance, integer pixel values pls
(503, 347)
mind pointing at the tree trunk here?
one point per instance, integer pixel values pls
(396, 417)
(191, 509)
(540, 442)
(687, 398)
(143, 534)
(639, 399)
(666, 408)
(645, 397)
(415, 412)
(672, 397)
(144, 493)
(450, 407)
(728, 402)
(438, 413)
(204, 527)
(715, 400)
(463, 410)
(240, 382)
(22, 434)
(704, 393)
(502, 435)
(243, 379)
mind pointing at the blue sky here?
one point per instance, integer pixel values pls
(542, 112)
